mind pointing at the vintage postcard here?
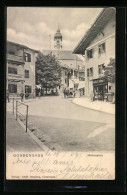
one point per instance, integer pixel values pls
(60, 93)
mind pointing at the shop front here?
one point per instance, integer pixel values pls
(100, 88)
(15, 86)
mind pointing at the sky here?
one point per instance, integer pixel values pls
(31, 26)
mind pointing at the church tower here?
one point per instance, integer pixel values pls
(58, 39)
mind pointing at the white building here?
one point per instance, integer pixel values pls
(98, 46)
(20, 69)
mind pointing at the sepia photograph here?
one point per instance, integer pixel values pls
(60, 93)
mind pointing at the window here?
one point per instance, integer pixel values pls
(12, 70)
(65, 80)
(12, 88)
(88, 72)
(101, 69)
(28, 89)
(27, 57)
(101, 48)
(26, 73)
(91, 71)
(90, 53)
(81, 78)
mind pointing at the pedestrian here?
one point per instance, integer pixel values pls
(67, 92)
(26, 95)
(21, 95)
(39, 94)
(64, 92)
(92, 96)
(42, 91)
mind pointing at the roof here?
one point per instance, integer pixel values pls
(22, 46)
(100, 22)
(63, 54)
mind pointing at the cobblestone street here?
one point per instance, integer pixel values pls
(62, 125)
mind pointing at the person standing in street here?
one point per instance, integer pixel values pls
(39, 94)
(22, 95)
(64, 92)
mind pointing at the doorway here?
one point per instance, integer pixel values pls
(99, 91)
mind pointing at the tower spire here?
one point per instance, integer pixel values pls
(58, 39)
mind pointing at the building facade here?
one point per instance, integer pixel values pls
(98, 46)
(72, 66)
(20, 69)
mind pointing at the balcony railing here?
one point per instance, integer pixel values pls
(15, 58)
(15, 77)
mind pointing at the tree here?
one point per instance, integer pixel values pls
(109, 72)
(48, 71)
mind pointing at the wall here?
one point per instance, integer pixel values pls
(31, 67)
(20, 72)
(72, 64)
(21, 68)
(57, 45)
(105, 57)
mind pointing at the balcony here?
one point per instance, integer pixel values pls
(15, 77)
(15, 59)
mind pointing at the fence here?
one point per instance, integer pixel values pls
(20, 110)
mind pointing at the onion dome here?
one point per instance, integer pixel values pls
(58, 35)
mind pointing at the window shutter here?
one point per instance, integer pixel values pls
(88, 52)
(29, 57)
(99, 49)
(87, 72)
(92, 71)
(103, 46)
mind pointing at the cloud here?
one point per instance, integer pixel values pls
(75, 33)
(32, 26)
(37, 36)
(22, 38)
(72, 37)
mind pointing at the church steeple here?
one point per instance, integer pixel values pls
(58, 39)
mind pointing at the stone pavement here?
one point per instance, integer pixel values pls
(101, 106)
(16, 137)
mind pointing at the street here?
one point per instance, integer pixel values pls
(61, 125)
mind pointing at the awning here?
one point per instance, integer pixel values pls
(99, 81)
(15, 80)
